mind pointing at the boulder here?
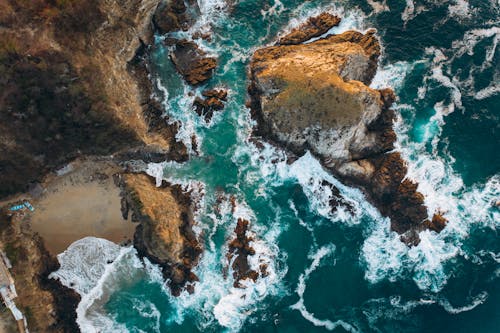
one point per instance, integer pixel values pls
(192, 62)
(239, 250)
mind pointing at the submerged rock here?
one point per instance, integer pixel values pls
(316, 97)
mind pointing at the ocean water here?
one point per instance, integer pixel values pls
(328, 271)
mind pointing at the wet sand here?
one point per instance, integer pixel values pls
(82, 202)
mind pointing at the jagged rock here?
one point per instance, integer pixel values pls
(192, 63)
(220, 94)
(316, 97)
(337, 200)
(437, 223)
(212, 102)
(314, 27)
(239, 250)
(165, 234)
(171, 16)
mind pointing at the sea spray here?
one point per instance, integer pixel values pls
(95, 268)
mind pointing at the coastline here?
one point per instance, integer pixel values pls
(75, 194)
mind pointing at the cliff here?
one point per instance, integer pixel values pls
(316, 97)
(74, 84)
(164, 234)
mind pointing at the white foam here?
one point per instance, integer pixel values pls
(476, 301)
(487, 92)
(211, 14)
(379, 7)
(392, 75)
(317, 257)
(275, 10)
(84, 262)
(409, 11)
(460, 9)
(438, 62)
(95, 268)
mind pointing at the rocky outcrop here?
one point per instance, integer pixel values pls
(213, 101)
(164, 234)
(192, 62)
(313, 27)
(239, 251)
(316, 97)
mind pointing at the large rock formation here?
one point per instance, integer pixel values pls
(316, 97)
(165, 233)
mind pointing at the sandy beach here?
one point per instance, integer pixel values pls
(81, 201)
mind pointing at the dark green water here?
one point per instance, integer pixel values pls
(334, 271)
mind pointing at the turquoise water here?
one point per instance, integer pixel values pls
(333, 271)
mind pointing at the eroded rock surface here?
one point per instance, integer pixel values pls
(316, 97)
(239, 251)
(192, 62)
(314, 27)
(165, 233)
(213, 100)
(70, 85)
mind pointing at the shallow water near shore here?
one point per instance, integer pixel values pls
(330, 271)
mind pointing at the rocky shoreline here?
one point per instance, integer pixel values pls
(316, 97)
(164, 233)
(96, 101)
(91, 97)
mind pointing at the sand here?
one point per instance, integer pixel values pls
(82, 202)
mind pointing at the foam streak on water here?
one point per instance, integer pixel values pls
(317, 257)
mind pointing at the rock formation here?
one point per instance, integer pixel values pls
(164, 234)
(212, 101)
(314, 27)
(316, 97)
(192, 62)
(239, 250)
